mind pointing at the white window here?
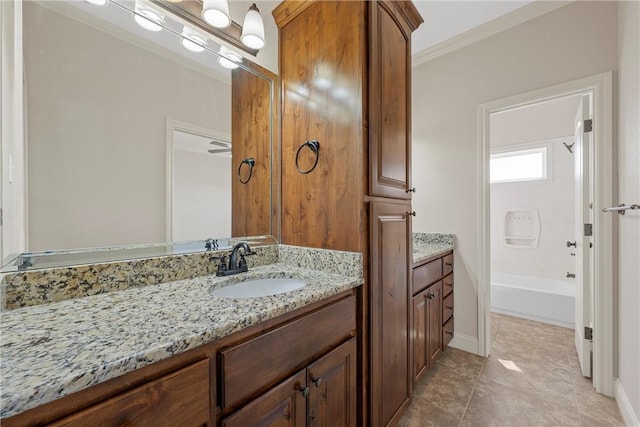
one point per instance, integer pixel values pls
(519, 165)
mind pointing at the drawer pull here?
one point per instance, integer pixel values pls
(448, 307)
(411, 190)
(448, 264)
(407, 214)
(448, 332)
(317, 381)
(431, 296)
(305, 391)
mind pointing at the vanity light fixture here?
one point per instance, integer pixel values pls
(192, 40)
(216, 13)
(97, 2)
(229, 59)
(148, 18)
(253, 29)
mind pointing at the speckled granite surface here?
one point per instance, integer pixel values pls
(24, 289)
(427, 245)
(52, 350)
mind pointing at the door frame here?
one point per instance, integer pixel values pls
(171, 126)
(600, 87)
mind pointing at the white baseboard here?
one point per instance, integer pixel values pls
(629, 416)
(465, 343)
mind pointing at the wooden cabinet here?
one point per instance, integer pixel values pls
(254, 203)
(432, 312)
(345, 82)
(323, 394)
(180, 398)
(284, 405)
(390, 306)
(389, 101)
(295, 370)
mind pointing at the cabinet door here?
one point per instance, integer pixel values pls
(322, 64)
(180, 398)
(434, 321)
(390, 103)
(332, 383)
(390, 311)
(251, 135)
(282, 406)
(419, 335)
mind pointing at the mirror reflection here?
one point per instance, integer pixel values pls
(128, 134)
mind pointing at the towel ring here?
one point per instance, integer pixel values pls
(250, 161)
(314, 146)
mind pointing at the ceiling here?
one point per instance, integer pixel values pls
(444, 20)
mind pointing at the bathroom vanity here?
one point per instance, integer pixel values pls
(173, 354)
(432, 290)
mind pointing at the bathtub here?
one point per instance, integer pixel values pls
(533, 298)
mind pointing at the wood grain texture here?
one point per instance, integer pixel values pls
(389, 103)
(419, 335)
(255, 365)
(447, 285)
(391, 308)
(251, 136)
(426, 274)
(283, 406)
(332, 384)
(323, 75)
(434, 322)
(180, 398)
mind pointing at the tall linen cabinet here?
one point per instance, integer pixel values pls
(345, 174)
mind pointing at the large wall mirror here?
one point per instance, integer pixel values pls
(132, 139)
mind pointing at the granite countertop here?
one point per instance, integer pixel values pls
(428, 245)
(52, 350)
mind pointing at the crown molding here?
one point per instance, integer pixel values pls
(498, 25)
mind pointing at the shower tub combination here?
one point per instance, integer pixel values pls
(533, 298)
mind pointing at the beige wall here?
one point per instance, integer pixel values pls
(572, 42)
(629, 192)
(96, 113)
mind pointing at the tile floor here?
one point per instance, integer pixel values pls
(544, 386)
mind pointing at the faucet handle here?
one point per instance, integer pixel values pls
(222, 266)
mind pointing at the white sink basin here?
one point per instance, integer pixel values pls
(258, 288)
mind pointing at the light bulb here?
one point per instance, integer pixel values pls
(192, 40)
(229, 59)
(216, 13)
(253, 29)
(148, 18)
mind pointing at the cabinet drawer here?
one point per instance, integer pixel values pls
(447, 333)
(180, 398)
(447, 285)
(252, 367)
(426, 274)
(447, 262)
(447, 308)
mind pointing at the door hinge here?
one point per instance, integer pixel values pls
(588, 333)
(588, 125)
(588, 229)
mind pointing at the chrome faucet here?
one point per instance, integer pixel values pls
(235, 265)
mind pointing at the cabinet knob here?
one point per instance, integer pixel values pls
(317, 381)
(411, 190)
(410, 213)
(305, 391)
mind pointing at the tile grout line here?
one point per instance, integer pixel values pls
(475, 384)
